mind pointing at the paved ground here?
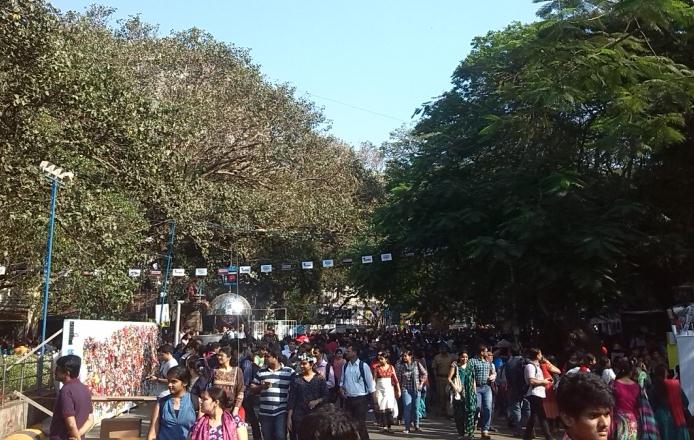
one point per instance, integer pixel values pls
(434, 428)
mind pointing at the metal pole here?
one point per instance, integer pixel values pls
(178, 322)
(163, 293)
(47, 262)
(47, 279)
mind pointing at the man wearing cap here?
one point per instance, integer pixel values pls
(441, 365)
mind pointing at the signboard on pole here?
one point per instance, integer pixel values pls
(201, 272)
(134, 273)
(230, 277)
(178, 272)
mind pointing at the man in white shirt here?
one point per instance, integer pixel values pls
(358, 388)
(536, 394)
(166, 362)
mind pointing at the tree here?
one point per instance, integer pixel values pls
(177, 127)
(531, 191)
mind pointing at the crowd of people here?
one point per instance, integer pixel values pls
(273, 385)
(313, 387)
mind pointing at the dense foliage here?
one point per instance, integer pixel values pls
(176, 127)
(553, 181)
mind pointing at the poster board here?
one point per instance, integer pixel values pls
(116, 359)
(685, 351)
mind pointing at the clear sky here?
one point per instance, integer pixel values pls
(368, 63)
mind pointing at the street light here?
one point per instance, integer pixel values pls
(57, 176)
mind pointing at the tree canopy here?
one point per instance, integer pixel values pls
(553, 180)
(156, 127)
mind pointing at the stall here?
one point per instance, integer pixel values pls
(683, 329)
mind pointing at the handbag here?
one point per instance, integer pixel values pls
(648, 426)
(452, 391)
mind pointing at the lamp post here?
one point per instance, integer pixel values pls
(57, 176)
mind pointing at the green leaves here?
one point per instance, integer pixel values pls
(180, 126)
(539, 180)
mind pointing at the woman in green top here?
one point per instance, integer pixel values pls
(462, 388)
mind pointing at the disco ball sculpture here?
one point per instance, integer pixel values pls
(229, 304)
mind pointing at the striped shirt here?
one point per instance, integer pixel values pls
(273, 401)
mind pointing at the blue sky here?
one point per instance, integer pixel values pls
(368, 64)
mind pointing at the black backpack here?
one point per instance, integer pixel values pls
(515, 377)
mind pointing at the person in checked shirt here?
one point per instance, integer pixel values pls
(483, 370)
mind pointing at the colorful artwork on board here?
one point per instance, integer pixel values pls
(116, 359)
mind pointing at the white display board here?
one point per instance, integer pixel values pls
(685, 353)
(116, 357)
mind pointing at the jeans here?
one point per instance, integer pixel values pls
(274, 427)
(518, 413)
(358, 408)
(410, 402)
(537, 412)
(484, 405)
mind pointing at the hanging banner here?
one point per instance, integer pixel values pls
(366, 259)
(244, 269)
(386, 257)
(179, 272)
(201, 272)
(266, 268)
(307, 264)
(328, 263)
(134, 273)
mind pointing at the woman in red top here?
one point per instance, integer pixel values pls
(549, 403)
(387, 391)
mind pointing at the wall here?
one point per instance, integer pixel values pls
(12, 417)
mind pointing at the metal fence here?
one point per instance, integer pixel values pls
(20, 373)
(282, 328)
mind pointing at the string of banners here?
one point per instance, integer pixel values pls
(264, 268)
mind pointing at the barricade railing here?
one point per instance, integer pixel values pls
(21, 373)
(27, 372)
